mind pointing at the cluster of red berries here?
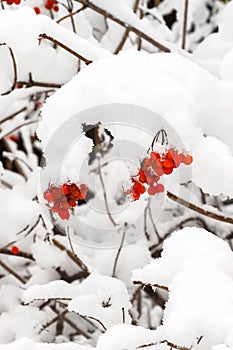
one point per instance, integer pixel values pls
(49, 5)
(52, 5)
(62, 198)
(11, 2)
(153, 167)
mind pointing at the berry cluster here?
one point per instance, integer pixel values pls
(62, 198)
(11, 2)
(52, 5)
(153, 167)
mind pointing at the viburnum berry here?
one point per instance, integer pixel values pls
(62, 198)
(56, 8)
(37, 10)
(17, 2)
(15, 250)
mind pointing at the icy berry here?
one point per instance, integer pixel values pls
(138, 187)
(15, 250)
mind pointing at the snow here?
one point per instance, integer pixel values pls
(125, 337)
(26, 343)
(103, 298)
(189, 111)
(201, 273)
(54, 289)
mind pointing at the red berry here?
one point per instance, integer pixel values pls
(136, 195)
(167, 171)
(17, 2)
(14, 138)
(142, 176)
(188, 159)
(48, 196)
(37, 10)
(19, 86)
(168, 163)
(64, 214)
(15, 250)
(65, 189)
(56, 8)
(138, 187)
(160, 188)
(152, 190)
(83, 191)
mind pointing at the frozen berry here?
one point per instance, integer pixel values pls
(15, 250)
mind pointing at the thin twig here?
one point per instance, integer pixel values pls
(145, 222)
(13, 115)
(71, 14)
(32, 83)
(12, 272)
(150, 285)
(152, 221)
(126, 33)
(124, 25)
(105, 194)
(19, 127)
(20, 254)
(97, 320)
(14, 70)
(73, 257)
(185, 23)
(72, 52)
(55, 319)
(199, 210)
(118, 252)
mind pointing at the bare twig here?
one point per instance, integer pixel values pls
(151, 285)
(105, 194)
(72, 256)
(20, 126)
(126, 33)
(185, 23)
(152, 221)
(72, 52)
(12, 272)
(97, 320)
(14, 70)
(12, 115)
(19, 254)
(171, 345)
(124, 25)
(199, 210)
(31, 83)
(71, 14)
(119, 251)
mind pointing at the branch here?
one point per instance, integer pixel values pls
(171, 345)
(14, 70)
(12, 272)
(13, 115)
(126, 33)
(135, 30)
(199, 210)
(31, 83)
(19, 127)
(151, 285)
(20, 254)
(118, 252)
(71, 14)
(72, 256)
(185, 23)
(105, 195)
(72, 52)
